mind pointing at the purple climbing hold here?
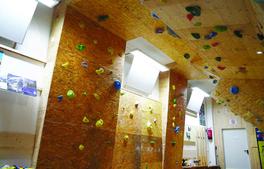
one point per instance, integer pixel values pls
(159, 30)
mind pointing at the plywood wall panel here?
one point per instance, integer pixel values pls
(63, 129)
(176, 115)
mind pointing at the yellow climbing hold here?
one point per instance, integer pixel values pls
(81, 147)
(173, 87)
(96, 96)
(65, 65)
(85, 120)
(100, 71)
(99, 123)
(110, 50)
(126, 138)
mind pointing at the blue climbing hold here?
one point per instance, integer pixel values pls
(234, 90)
(117, 85)
(177, 129)
(60, 97)
(210, 35)
(154, 15)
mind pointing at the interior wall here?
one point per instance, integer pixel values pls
(67, 142)
(225, 119)
(143, 148)
(176, 114)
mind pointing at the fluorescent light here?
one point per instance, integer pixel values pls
(259, 52)
(148, 60)
(200, 91)
(49, 3)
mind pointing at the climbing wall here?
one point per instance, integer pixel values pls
(139, 133)
(80, 123)
(176, 121)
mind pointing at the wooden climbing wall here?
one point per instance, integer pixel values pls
(176, 118)
(143, 149)
(67, 142)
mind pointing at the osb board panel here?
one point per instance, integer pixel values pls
(235, 52)
(176, 115)
(222, 116)
(248, 103)
(141, 115)
(129, 19)
(64, 130)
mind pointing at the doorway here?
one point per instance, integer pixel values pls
(236, 149)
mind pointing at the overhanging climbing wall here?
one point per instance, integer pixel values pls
(139, 133)
(176, 121)
(81, 118)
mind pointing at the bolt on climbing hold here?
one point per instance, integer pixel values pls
(149, 126)
(85, 120)
(131, 115)
(173, 143)
(81, 147)
(159, 30)
(218, 58)
(110, 50)
(198, 24)
(125, 138)
(196, 35)
(154, 15)
(221, 67)
(189, 16)
(187, 55)
(220, 28)
(117, 84)
(84, 94)
(214, 44)
(96, 96)
(152, 142)
(70, 94)
(238, 33)
(177, 129)
(173, 87)
(102, 18)
(84, 64)
(65, 65)
(60, 98)
(195, 10)
(206, 47)
(100, 71)
(99, 123)
(210, 35)
(80, 47)
(234, 90)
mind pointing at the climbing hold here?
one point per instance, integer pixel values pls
(195, 10)
(210, 35)
(110, 50)
(70, 94)
(131, 115)
(173, 118)
(95, 42)
(155, 121)
(96, 96)
(211, 77)
(84, 93)
(65, 65)
(242, 69)
(154, 15)
(220, 28)
(159, 30)
(187, 56)
(206, 67)
(99, 123)
(85, 120)
(117, 85)
(60, 98)
(214, 44)
(81, 147)
(260, 36)
(122, 93)
(80, 47)
(238, 33)
(101, 18)
(172, 33)
(221, 67)
(189, 16)
(100, 71)
(177, 129)
(174, 105)
(152, 142)
(149, 126)
(173, 125)
(206, 47)
(234, 90)
(196, 35)
(218, 58)
(125, 138)
(173, 87)
(198, 24)
(173, 143)
(214, 81)
(174, 100)
(84, 64)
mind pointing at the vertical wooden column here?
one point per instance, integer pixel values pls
(67, 142)
(176, 119)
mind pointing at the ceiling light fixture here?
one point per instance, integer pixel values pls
(50, 3)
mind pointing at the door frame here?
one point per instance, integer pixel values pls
(222, 132)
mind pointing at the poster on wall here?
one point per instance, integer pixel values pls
(3, 82)
(29, 87)
(260, 139)
(202, 116)
(14, 83)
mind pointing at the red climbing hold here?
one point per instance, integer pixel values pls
(189, 16)
(214, 44)
(221, 67)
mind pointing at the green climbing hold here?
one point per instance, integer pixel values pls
(206, 47)
(173, 142)
(198, 24)
(152, 142)
(80, 47)
(194, 10)
(70, 94)
(196, 35)
(175, 101)
(187, 55)
(99, 123)
(220, 28)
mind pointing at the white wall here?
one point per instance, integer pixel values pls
(36, 40)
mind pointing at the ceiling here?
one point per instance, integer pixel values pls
(238, 63)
